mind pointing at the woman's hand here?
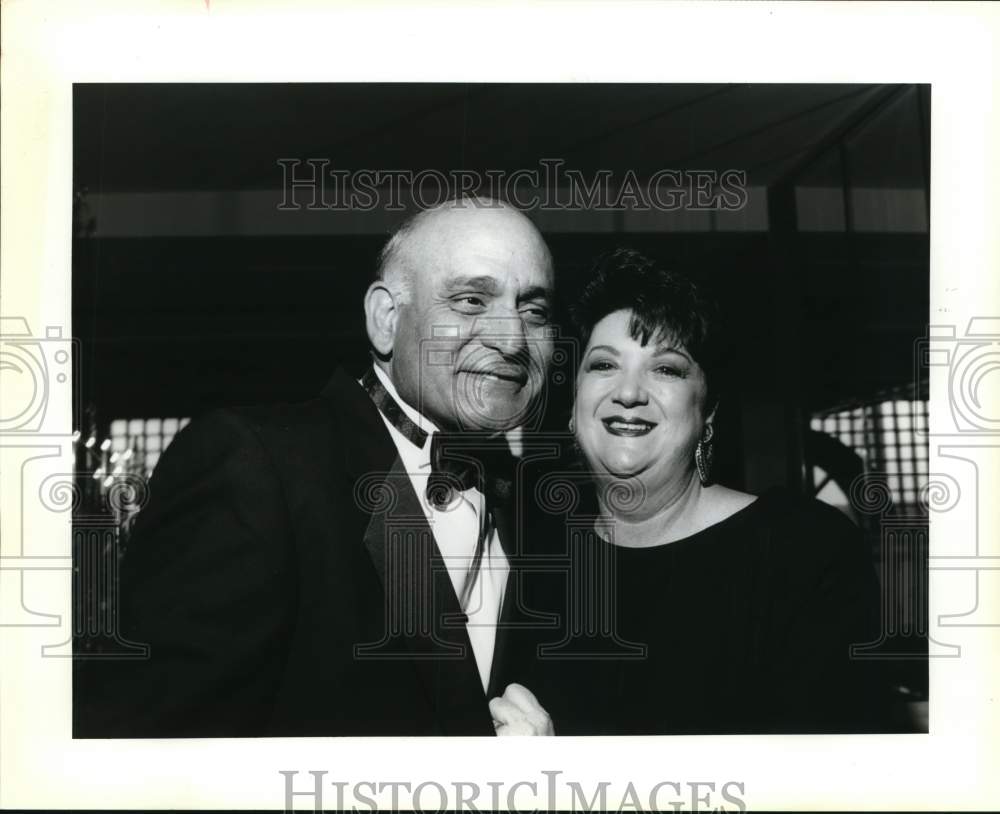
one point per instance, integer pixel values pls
(518, 712)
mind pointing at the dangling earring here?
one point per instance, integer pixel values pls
(703, 455)
(571, 426)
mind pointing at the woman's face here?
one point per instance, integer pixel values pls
(639, 409)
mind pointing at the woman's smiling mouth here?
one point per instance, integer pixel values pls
(628, 427)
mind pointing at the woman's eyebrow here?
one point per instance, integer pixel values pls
(606, 348)
(663, 350)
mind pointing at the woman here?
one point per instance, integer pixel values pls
(691, 607)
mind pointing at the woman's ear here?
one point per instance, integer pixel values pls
(381, 317)
(710, 417)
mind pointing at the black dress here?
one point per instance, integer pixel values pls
(744, 627)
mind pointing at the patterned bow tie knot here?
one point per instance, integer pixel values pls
(461, 460)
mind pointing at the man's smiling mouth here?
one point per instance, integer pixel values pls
(512, 375)
(627, 427)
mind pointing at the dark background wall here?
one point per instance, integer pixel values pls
(824, 288)
(193, 287)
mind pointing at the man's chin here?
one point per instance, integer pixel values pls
(492, 414)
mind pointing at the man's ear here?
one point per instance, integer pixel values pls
(381, 317)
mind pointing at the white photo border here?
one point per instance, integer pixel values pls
(49, 46)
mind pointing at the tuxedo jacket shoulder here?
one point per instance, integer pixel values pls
(257, 578)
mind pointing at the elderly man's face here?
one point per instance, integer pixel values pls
(474, 339)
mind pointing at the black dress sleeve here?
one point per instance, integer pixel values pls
(825, 605)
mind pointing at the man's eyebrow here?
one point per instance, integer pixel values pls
(483, 283)
(536, 292)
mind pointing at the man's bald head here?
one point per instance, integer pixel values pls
(400, 261)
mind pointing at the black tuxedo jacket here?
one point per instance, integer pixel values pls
(287, 583)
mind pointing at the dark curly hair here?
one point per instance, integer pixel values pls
(666, 307)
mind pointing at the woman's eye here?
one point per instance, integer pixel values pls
(668, 370)
(600, 365)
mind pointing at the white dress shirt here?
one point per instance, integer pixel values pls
(456, 530)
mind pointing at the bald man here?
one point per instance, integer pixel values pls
(325, 568)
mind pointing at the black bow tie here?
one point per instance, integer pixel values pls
(463, 460)
(459, 460)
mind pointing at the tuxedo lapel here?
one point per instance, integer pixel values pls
(506, 531)
(424, 623)
(515, 616)
(512, 656)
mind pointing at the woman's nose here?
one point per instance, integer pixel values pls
(630, 392)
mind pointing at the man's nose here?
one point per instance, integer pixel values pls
(506, 335)
(631, 391)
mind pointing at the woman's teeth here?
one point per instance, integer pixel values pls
(620, 427)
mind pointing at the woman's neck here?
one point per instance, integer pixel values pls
(675, 519)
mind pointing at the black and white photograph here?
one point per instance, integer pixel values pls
(609, 403)
(436, 407)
